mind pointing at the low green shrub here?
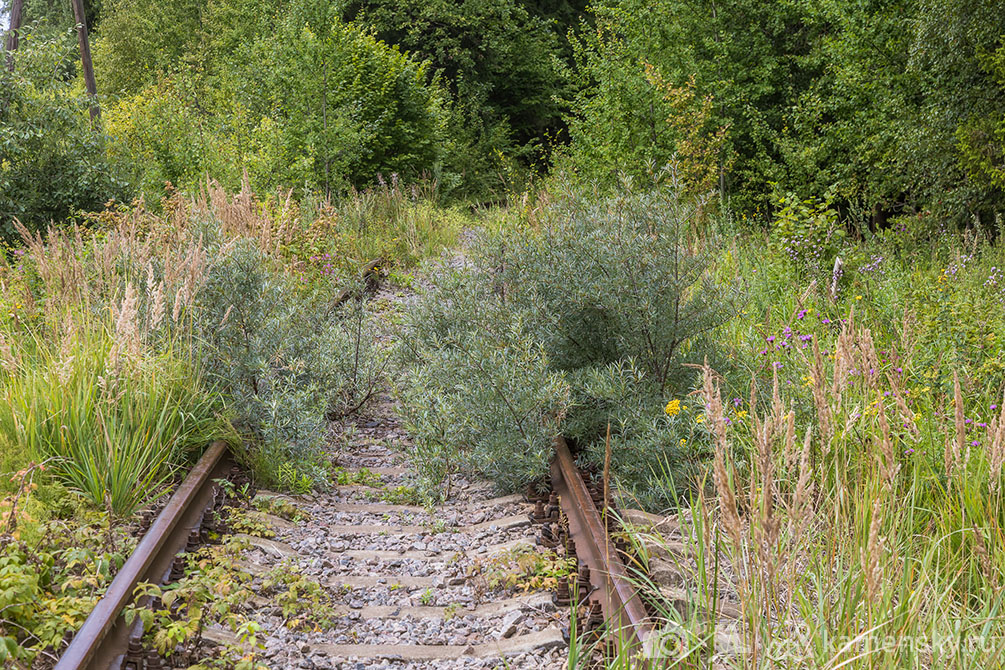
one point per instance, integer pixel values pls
(49, 585)
(285, 357)
(584, 318)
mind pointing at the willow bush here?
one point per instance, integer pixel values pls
(584, 317)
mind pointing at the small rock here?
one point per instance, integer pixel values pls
(509, 625)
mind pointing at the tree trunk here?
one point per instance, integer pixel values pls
(13, 35)
(85, 57)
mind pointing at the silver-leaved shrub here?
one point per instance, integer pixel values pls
(286, 359)
(584, 318)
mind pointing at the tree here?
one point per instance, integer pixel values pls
(500, 60)
(337, 107)
(751, 58)
(52, 162)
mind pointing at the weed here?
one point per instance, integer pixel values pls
(280, 507)
(361, 477)
(524, 568)
(403, 495)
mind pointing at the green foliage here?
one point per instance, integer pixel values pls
(283, 356)
(115, 432)
(808, 233)
(526, 568)
(305, 604)
(164, 134)
(49, 586)
(361, 477)
(280, 507)
(502, 64)
(338, 107)
(53, 16)
(583, 320)
(403, 495)
(139, 40)
(749, 57)
(887, 106)
(982, 137)
(292, 95)
(52, 162)
(212, 592)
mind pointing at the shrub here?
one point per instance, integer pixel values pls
(284, 357)
(602, 306)
(480, 394)
(808, 233)
(164, 134)
(52, 161)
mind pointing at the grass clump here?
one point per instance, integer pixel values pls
(112, 429)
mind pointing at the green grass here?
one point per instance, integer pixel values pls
(857, 510)
(401, 225)
(112, 434)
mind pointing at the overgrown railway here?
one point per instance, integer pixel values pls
(412, 588)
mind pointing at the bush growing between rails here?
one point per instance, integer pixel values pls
(285, 358)
(480, 394)
(600, 307)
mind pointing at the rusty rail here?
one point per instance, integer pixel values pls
(621, 603)
(102, 641)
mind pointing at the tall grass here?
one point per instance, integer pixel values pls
(99, 377)
(400, 224)
(115, 436)
(862, 532)
(113, 334)
(853, 514)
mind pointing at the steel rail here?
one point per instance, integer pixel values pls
(620, 600)
(102, 641)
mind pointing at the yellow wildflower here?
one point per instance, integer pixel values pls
(683, 441)
(672, 408)
(700, 418)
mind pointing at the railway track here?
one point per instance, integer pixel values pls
(409, 588)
